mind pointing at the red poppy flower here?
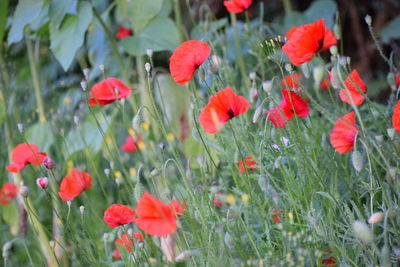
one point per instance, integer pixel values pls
(127, 242)
(178, 206)
(107, 91)
(217, 203)
(123, 32)
(276, 216)
(131, 144)
(222, 107)
(248, 162)
(74, 183)
(329, 260)
(353, 85)
(237, 6)
(118, 214)
(186, 59)
(290, 105)
(154, 217)
(307, 40)
(7, 192)
(24, 154)
(292, 80)
(398, 80)
(343, 133)
(396, 117)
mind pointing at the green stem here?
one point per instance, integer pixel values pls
(242, 67)
(114, 49)
(178, 19)
(287, 6)
(35, 78)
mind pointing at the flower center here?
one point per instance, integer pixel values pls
(230, 113)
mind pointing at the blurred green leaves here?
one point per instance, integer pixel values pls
(3, 17)
(391, 30)
(26, 12)
(66, 40)
(161, 34)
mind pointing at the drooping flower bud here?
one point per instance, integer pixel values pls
(267, 86)
(357, 161)
(42, 182)
(376, 217)
(257, 113)
(82, 209)
(48, 163)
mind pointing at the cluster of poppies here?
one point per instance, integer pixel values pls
(152, 215)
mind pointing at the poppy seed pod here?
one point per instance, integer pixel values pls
(363, 232)
(48, 163)
(42, 182)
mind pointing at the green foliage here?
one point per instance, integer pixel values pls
(72, 31)
(391, 30)
(3, 17)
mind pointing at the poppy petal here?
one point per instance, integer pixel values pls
(396, 117)
(343, 133)
(186, 59)
(354, 85)
(118, 214)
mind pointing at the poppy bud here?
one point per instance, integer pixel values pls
(147, 67)
(7, 250)
(23, 191)
(20, 127)
(42, 182)
(149, 52)
(136, 121)
(86, 73)
(48, 163)
(363, 232)
(288, 67)
(154, 172)
(229, 242)
(76, 120)
(391, 81)
(138, 191)
(252, 75)
(183, 255)
(267, 86)
(107, 172)
(318, 75)
(334, 50)
(82, 209)
(376, 218)
(391, 133)
(257, 113)
(162, 145)
(101, 67)
(357, 161)
(368, 20)
(306, 70)
(84, 85)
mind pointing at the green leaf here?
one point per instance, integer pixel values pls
(391, 30)
(87, 135)
(3, 111)
(58, 10)
(41, 135)
(3, 17)
(161, 34)
(66, 40)
(10, 213)
(26, 12)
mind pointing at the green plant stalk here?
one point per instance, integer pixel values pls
(242, 67)
(114, 49)
(35, 78)
(287, 6)
(178, 19)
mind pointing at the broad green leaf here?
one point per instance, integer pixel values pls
(161, 34)
(26, 12)
(58, 10)
(166, 8)
(3, 17)
(205, 29)
(66, 40)
(173, 101)
(41, 135)
(86, 135)
(391, 30)
(10, 213)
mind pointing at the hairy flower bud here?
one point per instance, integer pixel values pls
(257, 113)
(42, 182)
(357, 161)
(363, 232)
(376, 217)
(48, 163)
